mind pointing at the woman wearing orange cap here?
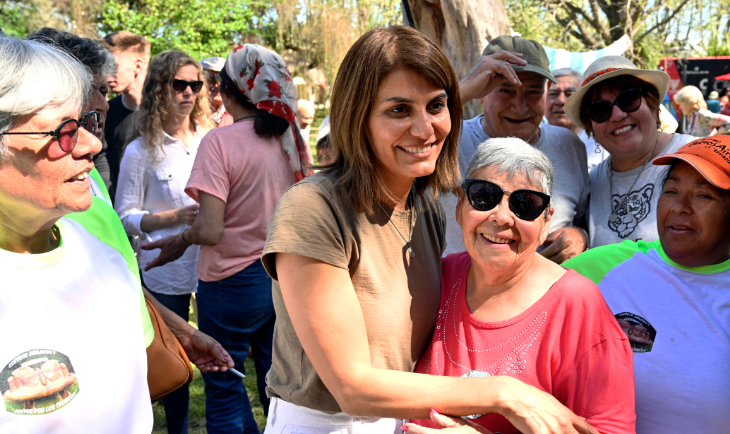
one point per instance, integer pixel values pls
(671, 297)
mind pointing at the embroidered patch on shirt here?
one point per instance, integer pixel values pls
(38, 382)
(641, 334)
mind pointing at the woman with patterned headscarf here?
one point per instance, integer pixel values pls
(239, 175)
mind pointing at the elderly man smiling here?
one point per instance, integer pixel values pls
(568, 83)
(510, 81)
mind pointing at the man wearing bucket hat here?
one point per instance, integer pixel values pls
(510, 82)
(212, 67)
(671, 296)
(619, 105)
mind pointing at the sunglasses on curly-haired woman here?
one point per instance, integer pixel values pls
(181, 85)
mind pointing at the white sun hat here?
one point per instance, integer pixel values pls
(608, 67)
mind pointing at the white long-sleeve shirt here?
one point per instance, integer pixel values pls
(148, 185)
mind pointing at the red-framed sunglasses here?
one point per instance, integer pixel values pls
(67, 134)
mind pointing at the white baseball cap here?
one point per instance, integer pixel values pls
(213, 63)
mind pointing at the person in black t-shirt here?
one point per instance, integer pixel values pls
(101, 63)
(132, 54)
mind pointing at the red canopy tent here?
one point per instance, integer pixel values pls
(724, 77)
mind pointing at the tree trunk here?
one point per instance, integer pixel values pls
(462, 28)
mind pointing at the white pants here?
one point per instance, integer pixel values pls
(287, 418)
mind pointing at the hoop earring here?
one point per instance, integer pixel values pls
(226, 103)
(598, 148)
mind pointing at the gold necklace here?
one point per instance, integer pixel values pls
(410, 224)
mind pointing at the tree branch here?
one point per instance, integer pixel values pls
(608, 10)
(585, 37)
(593, 21)
(661, 23)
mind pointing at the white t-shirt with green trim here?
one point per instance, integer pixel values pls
(74, 331)
(678, 322)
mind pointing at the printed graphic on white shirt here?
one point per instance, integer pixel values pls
(38, 382)
(629, 210)
(641, 334)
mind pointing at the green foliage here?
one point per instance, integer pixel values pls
(717, 36)
(16, 18)
(201, 28)
(532, 20)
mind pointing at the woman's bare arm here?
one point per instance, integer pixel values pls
(328, 320)
(164, 219)
(209, 225)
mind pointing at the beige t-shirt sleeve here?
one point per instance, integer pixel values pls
(306, 223)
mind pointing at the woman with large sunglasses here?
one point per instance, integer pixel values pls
(150, 199)
(355, 254)
(506, 310)
(62, 261)
(619, 105)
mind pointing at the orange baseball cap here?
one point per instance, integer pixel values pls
(709, 155)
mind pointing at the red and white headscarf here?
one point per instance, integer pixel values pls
(262, 76)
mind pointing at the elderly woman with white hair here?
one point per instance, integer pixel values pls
(507, 310)
(699, 121)
(75, 325)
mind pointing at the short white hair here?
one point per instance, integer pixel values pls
(511, 155)
(563, 72)
(34, 76)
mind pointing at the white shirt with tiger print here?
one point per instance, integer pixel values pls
(638, 220)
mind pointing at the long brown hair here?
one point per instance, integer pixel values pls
(376, 54)
(157, 94)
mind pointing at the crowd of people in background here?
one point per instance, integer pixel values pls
(559, 263)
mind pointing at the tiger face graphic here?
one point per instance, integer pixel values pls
(638, 207)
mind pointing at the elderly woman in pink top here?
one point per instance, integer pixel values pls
(507, 311)
(239, 175)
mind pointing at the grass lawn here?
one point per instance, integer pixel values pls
(196, 416)
(319, 116)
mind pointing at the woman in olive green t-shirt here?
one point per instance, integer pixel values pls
(355, 253)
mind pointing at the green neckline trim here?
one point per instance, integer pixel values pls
(705, 269)
(38, 260)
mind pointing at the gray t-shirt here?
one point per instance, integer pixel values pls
(639, 223)
(570, 189)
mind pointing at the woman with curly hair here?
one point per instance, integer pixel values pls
(150, 200)
(241, 167)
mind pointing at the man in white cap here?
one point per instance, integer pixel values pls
(212, 67)
(510, 80)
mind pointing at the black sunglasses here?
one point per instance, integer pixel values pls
(67, 134)
(181, 85)
(91, 122)
(628, 102)
(525, 204)
(213, 77)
